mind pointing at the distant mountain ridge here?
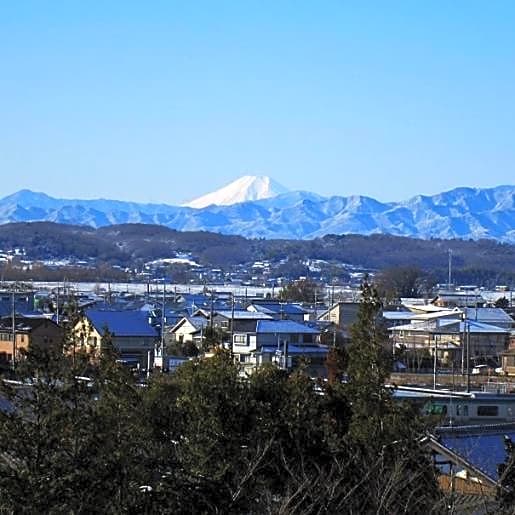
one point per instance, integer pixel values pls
(466, 213)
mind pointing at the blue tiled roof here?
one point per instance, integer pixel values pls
(451, 325)
(121, 323)
(198, 322)
(488, 315)
(479, 327)
(21, 306)
(283, 327)
(484, 451)
(278, 307)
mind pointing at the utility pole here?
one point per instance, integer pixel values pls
(435, 364)
(232, 327)
(57, 305)
(467, 328)
(13, 321)
(162, 350)
(462, 342)
(211, 314)
(449, 279)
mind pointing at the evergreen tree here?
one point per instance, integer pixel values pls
(206, 440)
(124, 436)
(47, 446)
(385, 435)
(369, 366)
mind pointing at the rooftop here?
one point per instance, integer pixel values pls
(283, 327)
(121, 323)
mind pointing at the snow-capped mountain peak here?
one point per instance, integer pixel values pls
(244, 189)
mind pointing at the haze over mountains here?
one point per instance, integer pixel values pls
(260, 208)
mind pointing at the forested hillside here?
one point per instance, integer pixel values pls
(133, 244)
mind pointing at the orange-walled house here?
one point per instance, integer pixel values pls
(29, 331)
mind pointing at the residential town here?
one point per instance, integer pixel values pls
(257, 258)
(458, 340)
(161, 324)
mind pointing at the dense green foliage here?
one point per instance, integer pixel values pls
(202, 441)
(206, 440)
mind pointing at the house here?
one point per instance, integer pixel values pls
(469, 460)
(23, 302)
(283, 342)
(508, 357)
(189, 329)
(133, 338)
(174, 362)
(450, 299)
(397, 317)
(508, 362)
(279, 310)
(451, 338)
(400, 317)
(342, 314)
(29, 332)
(491, 316)
(239, 320)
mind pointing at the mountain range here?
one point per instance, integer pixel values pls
(259, 208)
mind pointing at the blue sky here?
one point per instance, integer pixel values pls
(162, 101)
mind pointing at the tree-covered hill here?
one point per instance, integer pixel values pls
(130, 244)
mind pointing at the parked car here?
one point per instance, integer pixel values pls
(483, 370)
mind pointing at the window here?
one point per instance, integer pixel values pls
(462, 410)
(487, 411)
(243, 358)
(240, 339)
(437, 409)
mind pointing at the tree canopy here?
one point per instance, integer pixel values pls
(207, 440)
